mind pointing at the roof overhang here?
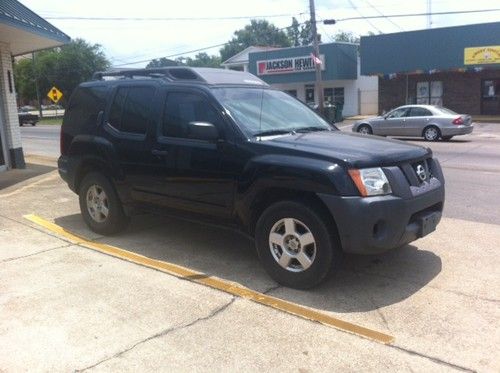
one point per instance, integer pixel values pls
(22, 42)
(25, 31)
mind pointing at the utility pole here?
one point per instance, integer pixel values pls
(35, 75)
(319, 87)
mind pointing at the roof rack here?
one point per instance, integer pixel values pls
(206, 75)
(169, 73)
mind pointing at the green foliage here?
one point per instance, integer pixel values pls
(346, 36)
(258, 33)
(64, 67)
(161, 62)
(300, 34)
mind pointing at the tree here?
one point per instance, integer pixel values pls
(300, 33)
(161, 62)
(258, 32)
(64, 67)
(346, 36)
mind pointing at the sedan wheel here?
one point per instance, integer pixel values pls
(365, 130)
(431, 133)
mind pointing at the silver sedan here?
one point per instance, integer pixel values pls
(427, 121)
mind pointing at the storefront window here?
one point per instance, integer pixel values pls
(430, 93)
(291, 92)
(309, 94)
(334, 95)
(491, 88)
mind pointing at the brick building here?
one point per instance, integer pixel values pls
(456, 67)
(21, 32)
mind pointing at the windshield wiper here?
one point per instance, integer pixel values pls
(311, 129)
(273, 132)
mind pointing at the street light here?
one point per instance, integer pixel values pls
(329, 22)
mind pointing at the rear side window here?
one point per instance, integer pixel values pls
(420, 112)
(131, 110)
(85, 105)
(182, 108)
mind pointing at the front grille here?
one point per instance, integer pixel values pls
(418, 172)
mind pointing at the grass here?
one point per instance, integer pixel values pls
(53, 121)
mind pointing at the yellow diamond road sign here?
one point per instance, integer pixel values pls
(55, 95)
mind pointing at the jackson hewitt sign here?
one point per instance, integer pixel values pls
(288, 65)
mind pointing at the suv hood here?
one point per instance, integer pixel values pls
(353, 149)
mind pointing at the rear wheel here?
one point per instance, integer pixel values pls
(365, 129)
(431, 133)
(295, 245)
(446, 138)
(100, 206)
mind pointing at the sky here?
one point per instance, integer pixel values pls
(127, 42)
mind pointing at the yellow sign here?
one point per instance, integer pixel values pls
(482, 55)
(55, 95)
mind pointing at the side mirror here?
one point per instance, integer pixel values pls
(202, 131)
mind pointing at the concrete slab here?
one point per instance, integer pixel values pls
(71, 307)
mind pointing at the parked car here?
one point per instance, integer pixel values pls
(27, 118)
(223, 145)
(427, 121)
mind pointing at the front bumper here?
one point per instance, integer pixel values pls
(376, 224)
(457, 130)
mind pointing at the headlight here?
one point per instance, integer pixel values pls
(371, 181)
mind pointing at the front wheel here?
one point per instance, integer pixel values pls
(295, 245)
(365, 129)
(100, 206)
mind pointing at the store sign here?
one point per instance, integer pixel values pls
(288, 65)
(482, 55)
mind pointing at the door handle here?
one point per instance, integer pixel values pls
(159, 152)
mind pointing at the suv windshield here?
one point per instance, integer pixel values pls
(264, 112)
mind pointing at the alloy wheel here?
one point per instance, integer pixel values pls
(97, 203)
(292, 245)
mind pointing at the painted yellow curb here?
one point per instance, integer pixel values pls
(216, 283)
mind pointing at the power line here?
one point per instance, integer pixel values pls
(77, 18)
(417, 14)
(365, 18)
(383, 15)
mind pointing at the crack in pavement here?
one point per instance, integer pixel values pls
(432, 358)
(32, 254)
(212, 314)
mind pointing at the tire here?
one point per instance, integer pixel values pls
(431, 133)
(365, 129)
(103, 213)
(289, 222)
(446, 138)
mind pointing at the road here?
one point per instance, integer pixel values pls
(471, 166)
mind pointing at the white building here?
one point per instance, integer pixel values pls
(21, 32)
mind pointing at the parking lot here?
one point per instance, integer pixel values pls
(65, 305)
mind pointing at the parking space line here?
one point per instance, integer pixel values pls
(216, 283)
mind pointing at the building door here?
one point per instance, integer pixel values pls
(3, 147)
(490, 97)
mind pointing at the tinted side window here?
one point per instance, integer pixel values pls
(85, 104)
(398, 113)
(420, 112)
(131, 109)
(182, 108)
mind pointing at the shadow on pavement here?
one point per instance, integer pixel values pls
(16, 176)
(365, 283)
(419, 139)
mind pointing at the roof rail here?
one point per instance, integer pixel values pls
(170, 73)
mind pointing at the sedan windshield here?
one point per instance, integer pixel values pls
(264, 112)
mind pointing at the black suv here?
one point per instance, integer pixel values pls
(224, 145)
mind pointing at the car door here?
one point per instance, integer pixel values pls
(416, 121)
(127, 125)
(189, 171)
(393, 124)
